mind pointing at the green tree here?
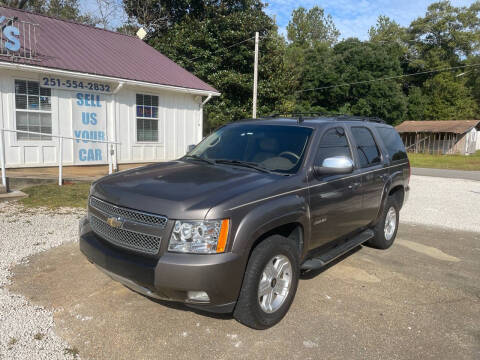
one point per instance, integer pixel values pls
(417, 105)
(218, 48)
(312, 27)
(449, 98)
(387, 30)
(64, 9)
(20, 4)
(353, 61)
(446, 34)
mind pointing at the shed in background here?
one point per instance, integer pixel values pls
(441, 136)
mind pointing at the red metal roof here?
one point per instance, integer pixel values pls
(81, 48)
(436, 126)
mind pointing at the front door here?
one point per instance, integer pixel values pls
(335, 200)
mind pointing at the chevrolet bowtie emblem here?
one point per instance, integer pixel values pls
(115, 222)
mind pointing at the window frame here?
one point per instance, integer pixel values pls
(141, 142)
(375, 140)
(51, 112)
(349, 142)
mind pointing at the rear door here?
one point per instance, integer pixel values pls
(374, 172)
(335, 200)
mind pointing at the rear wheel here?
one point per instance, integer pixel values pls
(270, 283)
(386, 230)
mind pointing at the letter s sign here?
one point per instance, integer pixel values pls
(11, 34)
(13, 41)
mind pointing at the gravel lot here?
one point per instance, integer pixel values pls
(28, 331)
(448, 203)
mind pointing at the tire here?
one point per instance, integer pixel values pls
(383, 239)
(252, 309)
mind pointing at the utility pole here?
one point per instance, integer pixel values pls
(255, 78)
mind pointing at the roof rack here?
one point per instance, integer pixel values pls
(302, 116)
(359, 118)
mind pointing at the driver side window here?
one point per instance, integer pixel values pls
(333, 143)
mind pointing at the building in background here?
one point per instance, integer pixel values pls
(62, 78)
(441, 137)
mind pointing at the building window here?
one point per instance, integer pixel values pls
(147, 118)
(33, 106)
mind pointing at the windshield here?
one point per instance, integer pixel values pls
(275, 148)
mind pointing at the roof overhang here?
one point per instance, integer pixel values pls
(41, 69)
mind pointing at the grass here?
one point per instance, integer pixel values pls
(452, 162)
(53, 196)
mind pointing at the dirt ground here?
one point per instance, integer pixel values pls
(418, 300)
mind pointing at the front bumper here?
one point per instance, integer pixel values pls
(170, 276)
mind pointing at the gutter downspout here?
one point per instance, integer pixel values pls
(200, 134)
(113, 152)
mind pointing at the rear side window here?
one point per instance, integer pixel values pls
(393, 143)
(367, 148)
(333, 143)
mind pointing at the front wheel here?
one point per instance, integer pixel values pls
(386, 230)
(270, 283)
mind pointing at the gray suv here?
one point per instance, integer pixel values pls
(230, 227)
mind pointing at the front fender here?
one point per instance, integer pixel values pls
(269, 215)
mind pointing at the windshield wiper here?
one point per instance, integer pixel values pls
(198, 158)
(244, 164)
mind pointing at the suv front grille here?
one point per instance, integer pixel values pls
(149, 244)
(137, 230)
(128, 214)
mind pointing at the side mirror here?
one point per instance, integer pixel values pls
(190, 148)
(335, 166)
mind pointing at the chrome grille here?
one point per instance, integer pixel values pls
(128, 214)
(125, 238)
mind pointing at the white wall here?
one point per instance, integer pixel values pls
(180, 124)
(477, 147)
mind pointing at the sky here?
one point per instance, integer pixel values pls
(352, 17)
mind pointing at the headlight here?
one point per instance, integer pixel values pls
(199, 237)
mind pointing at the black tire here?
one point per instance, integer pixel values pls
(248, 310)
(380, 241)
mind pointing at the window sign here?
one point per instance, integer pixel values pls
(89, 123)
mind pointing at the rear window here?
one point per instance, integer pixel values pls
(367, 148)
(393, 143)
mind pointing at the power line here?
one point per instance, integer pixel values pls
(225, 48)
(388, 78)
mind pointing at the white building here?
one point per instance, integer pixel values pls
(62, 78)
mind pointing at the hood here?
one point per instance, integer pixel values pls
(178, 189)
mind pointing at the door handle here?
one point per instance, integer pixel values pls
(354, 186)
(383, 177)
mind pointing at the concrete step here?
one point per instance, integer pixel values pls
(12, 195)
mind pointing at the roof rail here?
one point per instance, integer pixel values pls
(302, 116)
(359, 118)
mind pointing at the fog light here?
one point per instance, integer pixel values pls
(200, 296)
